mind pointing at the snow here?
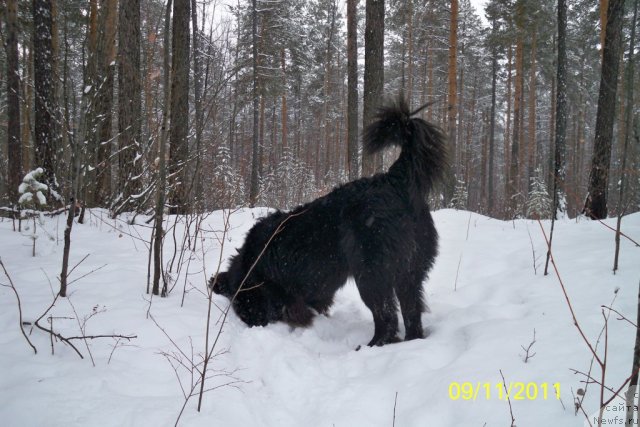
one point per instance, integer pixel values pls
(25, 198)
(41, 199)
(487, 295)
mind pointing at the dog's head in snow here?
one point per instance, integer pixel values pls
(250, 301)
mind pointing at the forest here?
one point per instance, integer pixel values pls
(213, 104)
(165, 129)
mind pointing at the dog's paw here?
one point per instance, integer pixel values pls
(219, 284)
(380, 341)
(298, 314)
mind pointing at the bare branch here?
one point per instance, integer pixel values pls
(20, 323)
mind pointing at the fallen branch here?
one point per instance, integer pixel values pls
(68, 340)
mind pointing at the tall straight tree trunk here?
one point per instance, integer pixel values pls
(532, 144)
(326, 91)
(129, 105)
(452, 100)
(628, 129)
(14, 146)
(179, 115)
(409, 23)
(99, 78)
(104, 101)
(44, 141)
(373, 75)
(507, 133)
(283, 112)
(492, 122)
(27, 106)
(255, 156)
(596, 203)
(604, 6)
(560, 144)
(352, 89)
(197, 185)
(158, 233)
(515, 167)
(559, 173)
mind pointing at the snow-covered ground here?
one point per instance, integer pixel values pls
(487, 295)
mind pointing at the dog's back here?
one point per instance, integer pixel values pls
(377, 230)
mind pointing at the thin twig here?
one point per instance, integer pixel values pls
(504, 385)
(82, 329)
(455, 283)
(15, 291)
(87, 274)
(395, 402)
(528, 356)
(622, 317)
(566, 297)
(621, 233)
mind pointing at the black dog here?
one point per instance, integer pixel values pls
(377, 230)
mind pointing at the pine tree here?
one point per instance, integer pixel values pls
(44, 131)
(373, 75)
(596, 203)
(129, 105)
(14, 146)
(179, 111)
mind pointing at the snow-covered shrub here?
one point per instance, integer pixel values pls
(31, 190)
(539, 203)
(32, 196)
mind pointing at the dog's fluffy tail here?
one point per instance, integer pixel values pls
(423, 144)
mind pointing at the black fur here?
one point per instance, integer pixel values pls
(377, 230)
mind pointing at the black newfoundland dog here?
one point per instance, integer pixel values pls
(377, 230)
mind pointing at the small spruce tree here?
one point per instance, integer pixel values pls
(460, 195)
(539, 203)
(32, 197)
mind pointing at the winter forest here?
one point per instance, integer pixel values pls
(263, 103)
(141, 140)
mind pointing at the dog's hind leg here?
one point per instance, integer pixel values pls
(377, 293)
(409, 293)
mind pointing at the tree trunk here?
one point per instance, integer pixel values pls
(352, 90)
(560, 114)
(129, 106)
(14, 151)
(628, 126)
(373, 75)
(596, 203)
(27, 107)
(515, 165)
(492, 122)
(197, 185)
(284, 112)
(452, 100)
(409, 23)
(104, 101)
(532, 144)
(44, 97)
(158, 233)
(559, 174)
(604, 6)
(179, 114)
(507, 133)
(254, 183)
